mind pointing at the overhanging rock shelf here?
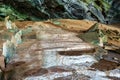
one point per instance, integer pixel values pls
(57, 53)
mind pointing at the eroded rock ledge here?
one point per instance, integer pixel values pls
(55, 54)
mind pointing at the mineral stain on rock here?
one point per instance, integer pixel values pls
(35, 72)
(105, 65)
(76, 53)
(18, 64)
(60, 69)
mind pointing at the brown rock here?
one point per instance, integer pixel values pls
(105, 65)
(35, 72)
(59, 69)
(2, 63)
